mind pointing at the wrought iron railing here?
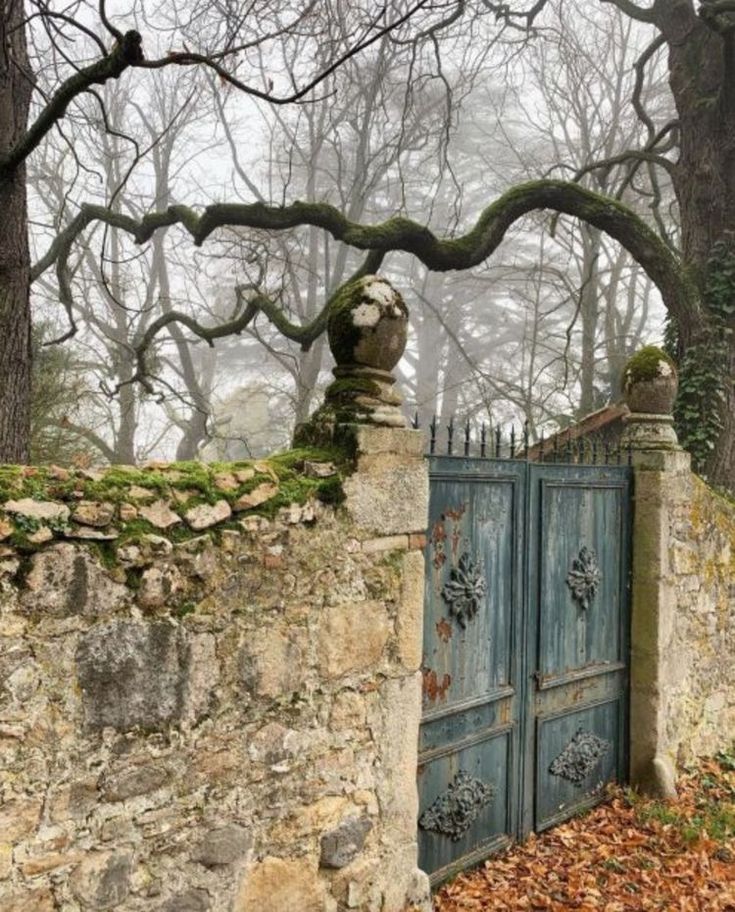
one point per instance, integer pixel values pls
(468, 439)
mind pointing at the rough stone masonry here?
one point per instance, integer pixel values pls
(210, 703)
(683, 598)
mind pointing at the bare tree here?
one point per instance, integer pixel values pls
(78, 48)
(694, 283)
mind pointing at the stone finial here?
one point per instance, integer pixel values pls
(367, 331)
(649, 386)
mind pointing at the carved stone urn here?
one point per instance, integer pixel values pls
(367, 331)
(650, 382)
(649, 386)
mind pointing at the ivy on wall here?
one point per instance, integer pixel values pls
(703, 368)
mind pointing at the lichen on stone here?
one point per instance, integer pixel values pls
(357, 308)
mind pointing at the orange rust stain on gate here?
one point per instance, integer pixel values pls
(438, 537)
(433, 688)
(444, 630)
(457, 514)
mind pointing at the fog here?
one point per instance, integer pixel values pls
(432, 121)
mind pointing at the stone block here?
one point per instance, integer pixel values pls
(405, 887)
(410, 623)
(74, 800)
(93, 513)
(102, 880)
(158, 585)
(40, 900)
(683, 560)
(51, 861)
(280, 884)
(352, 637)
(341, 845)
(6, 860)
(358, 886)
(273, 660)
(134, 781)
(203, 670)
(216, 767)
(64, 580)
(376, 440)
(132, 675)
(398, 712)
(222, 846)
(19, 817)
(348, 711)
(206, 515)
(389, 501)
(308, 821)
(274, 745)
(12, 658)
(385, 543)
(40, 510)
(189, 901)
(160, 515)
(661, 460)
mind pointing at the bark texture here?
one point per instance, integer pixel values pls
(702, 79)
(15, 313)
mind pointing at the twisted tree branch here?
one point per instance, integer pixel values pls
(124, 54)
(641, 14)
(402, 234)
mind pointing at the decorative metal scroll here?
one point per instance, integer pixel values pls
(465, 589)
(584, 577)
(454, 811)
(580, 757)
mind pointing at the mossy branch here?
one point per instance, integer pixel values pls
(245, 311)
(125, 53)
(401, 234)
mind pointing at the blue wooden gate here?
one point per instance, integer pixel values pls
(525, 651)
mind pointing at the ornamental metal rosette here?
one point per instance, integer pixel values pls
(456, 809)
(584, 577)
(580, 757)
(465, 589)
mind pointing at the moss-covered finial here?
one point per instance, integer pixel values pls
(367, 330)
(650, 382)
(368, 324)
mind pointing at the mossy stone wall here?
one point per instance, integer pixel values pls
(209, 687)
(683, 625)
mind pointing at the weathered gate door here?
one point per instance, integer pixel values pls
(525, 651)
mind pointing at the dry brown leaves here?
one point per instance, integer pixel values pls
(628, 854)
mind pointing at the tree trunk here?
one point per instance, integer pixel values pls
(15, 310)
(590, 313)
(702, 79)
(310, 365)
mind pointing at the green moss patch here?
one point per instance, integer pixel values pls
(645, 365)
(181, 485)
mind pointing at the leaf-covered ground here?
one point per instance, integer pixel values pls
(628, 854)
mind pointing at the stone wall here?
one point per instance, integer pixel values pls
(683, 636)
(700, 669)
(209, 696)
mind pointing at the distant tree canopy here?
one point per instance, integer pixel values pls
(695, 150)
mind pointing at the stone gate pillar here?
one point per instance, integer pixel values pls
(661, 491)
(387, 498)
